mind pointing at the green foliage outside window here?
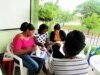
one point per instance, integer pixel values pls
(92, 21)
(48, 11)
(89, 7)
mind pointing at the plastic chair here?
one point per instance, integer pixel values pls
(91, 53)
(88, 52)
(0, 72)
(1, 58)
(23, 70)
(95, 64)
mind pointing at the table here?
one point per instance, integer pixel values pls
(95, 63)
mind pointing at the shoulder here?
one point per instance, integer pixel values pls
(19, 37)
(62, 31)
(46, 33)
(52, 32)
(81, 60)
(36, 33)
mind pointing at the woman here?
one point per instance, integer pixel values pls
(57, 34)
(71, 64)
(41, 36)
(23, 45)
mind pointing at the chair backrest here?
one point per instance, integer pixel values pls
(95, 50)
(9, 48)
(15, 57)
(88, 52)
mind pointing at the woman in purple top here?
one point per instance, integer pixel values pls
(23, 45)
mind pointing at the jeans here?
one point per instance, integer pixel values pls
(33, 64)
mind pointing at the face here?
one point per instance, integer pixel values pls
(56, 31)
(44, 31)
(30, 32)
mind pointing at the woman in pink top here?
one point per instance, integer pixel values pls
(23, 45)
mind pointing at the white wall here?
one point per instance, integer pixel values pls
(13, 13)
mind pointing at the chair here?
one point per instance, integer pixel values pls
(92, 53)
(95, 64)
(88, 52)
(1, 58)
(0, 72)
(23, 70)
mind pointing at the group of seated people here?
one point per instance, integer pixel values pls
(61, 50)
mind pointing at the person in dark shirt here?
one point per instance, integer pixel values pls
(57, 34)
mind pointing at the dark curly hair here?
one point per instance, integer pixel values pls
(57, 27)
(74, 43)
(26, 25)
(42, 27)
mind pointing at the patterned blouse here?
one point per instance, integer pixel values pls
(41, 37)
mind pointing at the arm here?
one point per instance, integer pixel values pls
(52, 36)
(23, 51)
(36, 35)
(38, 43)
(48, 42)
(63, 35)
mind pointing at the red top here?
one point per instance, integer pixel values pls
(19, 43)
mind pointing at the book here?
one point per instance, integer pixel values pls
(39, 53)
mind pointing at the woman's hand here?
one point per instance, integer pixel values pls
(43, 49)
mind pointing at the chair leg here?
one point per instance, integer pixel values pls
(14, 69)
(21, 70)
(25, 71)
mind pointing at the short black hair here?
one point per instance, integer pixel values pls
(26, 25)
(74, 43)
(42, 27)
(57, 27)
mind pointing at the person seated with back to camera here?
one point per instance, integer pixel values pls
(70, 64)
(23, 44)
(57, 35)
